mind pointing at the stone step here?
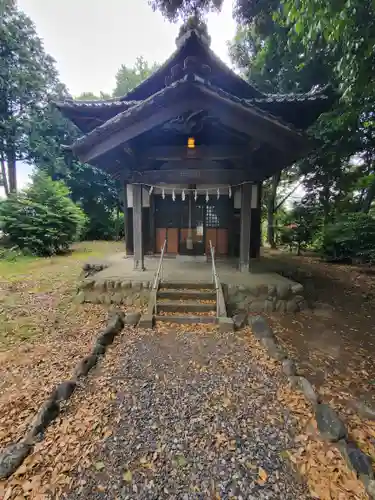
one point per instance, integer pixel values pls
(186, 294)
(185, 320)
(187, 285)
(188, 307)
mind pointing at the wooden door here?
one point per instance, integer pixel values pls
(161, 234)
(172, 240)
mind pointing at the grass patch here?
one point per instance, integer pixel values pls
(36, 293)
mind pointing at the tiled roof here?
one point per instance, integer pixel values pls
(288, 98)
(107, 103)
(119, 120)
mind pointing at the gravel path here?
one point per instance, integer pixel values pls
(198, 419)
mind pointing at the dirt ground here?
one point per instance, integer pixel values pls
(335, 341)
(43, 333)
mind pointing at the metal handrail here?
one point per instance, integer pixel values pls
(159, 272)
(215, 278)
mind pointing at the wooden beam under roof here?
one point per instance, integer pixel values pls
(191, 176)
(168, 153)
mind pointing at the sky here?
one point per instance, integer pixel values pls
(90, 39)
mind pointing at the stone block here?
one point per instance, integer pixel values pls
(48, 412)
(356, 460)
(85, 365)
(329, 423)
(98, 349)
(129, 301)
(64, 390)
(99, 286)
(306, 388)
(281, 306)
(271, 291)
(297, 289)
(12, 457)
(132, 318)
(117, 298)
(136, 285)
(107, 299)
(256, 306)
(110, 285)
(269, 305)
(240, 320)
(259, 327)
(225, 324)
(145, 285)
(146, 321)
(125, 285)
(289, 368)
(292, 306)
(283, 291)
(303, 305)
(273, 349)
(370, 486)
(365, 409)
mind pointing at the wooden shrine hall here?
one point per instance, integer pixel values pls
(192, 145)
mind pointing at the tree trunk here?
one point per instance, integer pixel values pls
(368, 198)
(271, 210)
(12, 173)
(4, 175)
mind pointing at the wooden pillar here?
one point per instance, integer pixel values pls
(126, 218)
(256, 221)
(246, 190)
(152, 225)
(137, 228)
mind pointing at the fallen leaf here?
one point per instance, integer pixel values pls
(263, 476)
(99, 465)
(127, 476)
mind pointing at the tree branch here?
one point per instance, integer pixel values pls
(286, 197)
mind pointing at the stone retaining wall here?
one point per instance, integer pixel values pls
(129, 293)
(267, 298)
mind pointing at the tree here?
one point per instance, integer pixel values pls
(347, 29)
(172, 9)
(89, 96)
(94, 190)
(128, 78)
(26, 76)
(43, 219)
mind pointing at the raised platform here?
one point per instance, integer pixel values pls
(113, 279)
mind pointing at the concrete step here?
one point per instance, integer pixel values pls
(185, 307)
(187, 285)
(186, 294)
(185, 320)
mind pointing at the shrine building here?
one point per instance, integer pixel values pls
(192, 145)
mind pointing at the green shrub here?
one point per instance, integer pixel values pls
(351, 237)
(42, 219)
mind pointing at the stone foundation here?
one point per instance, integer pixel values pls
(129, 293)
(265, 298)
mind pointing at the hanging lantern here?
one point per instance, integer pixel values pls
(183, 195)
(195, 195)
(173, 195)
(163, 194)
(151, 190)
(230, 192)
(191, 143)
(218, 193)
(207, 197)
